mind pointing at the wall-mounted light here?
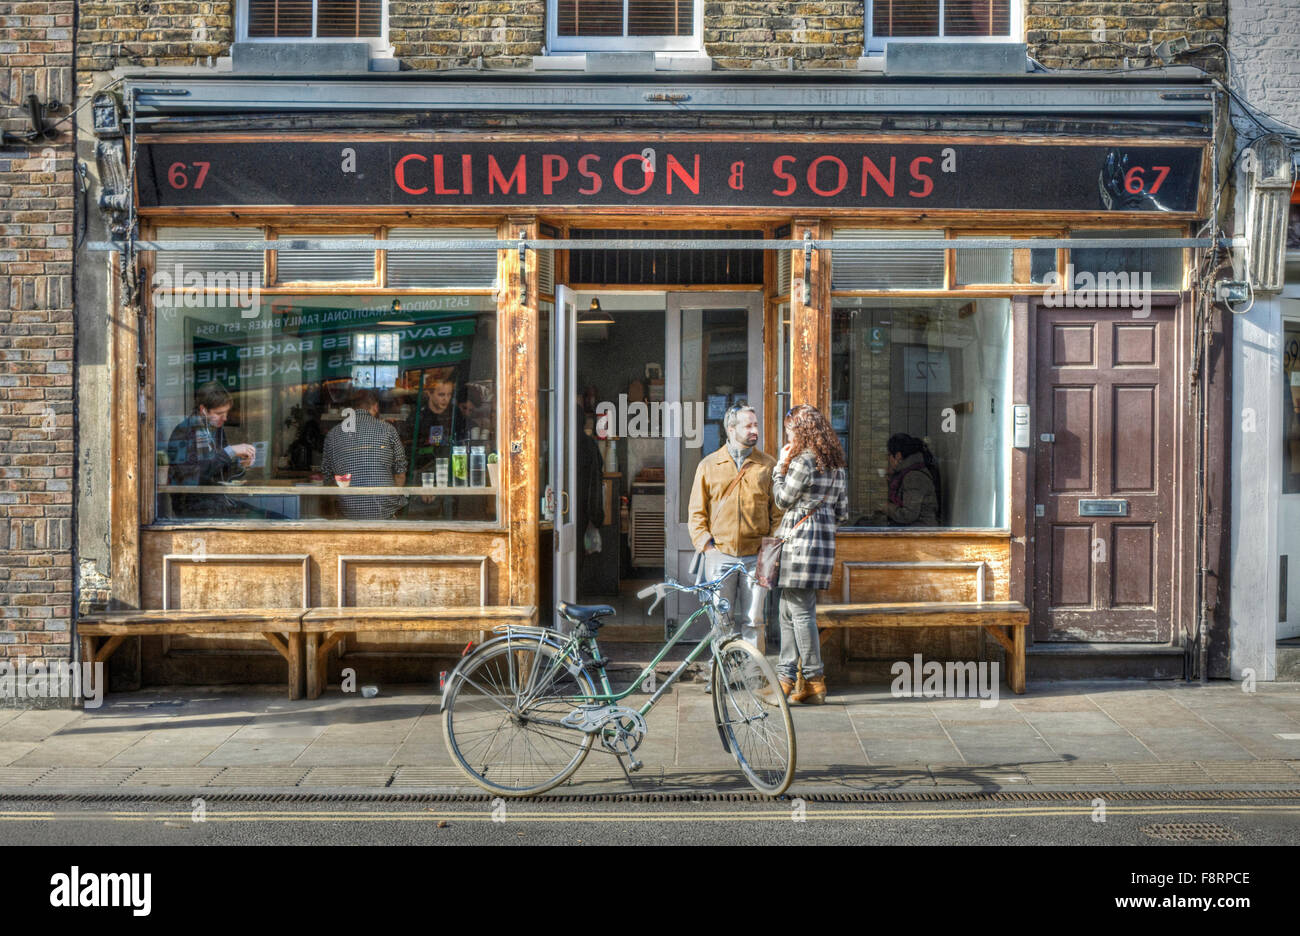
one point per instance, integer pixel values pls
(595, 315)
(1270, 176)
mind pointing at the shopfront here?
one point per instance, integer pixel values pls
(418, 417)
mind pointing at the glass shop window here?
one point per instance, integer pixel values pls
(347, 408)
(1143, 267)
(929, 379)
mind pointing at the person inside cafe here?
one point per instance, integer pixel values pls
(199, 453)
(365, 451)
(440, 419)
(913, 482)
(731, 510)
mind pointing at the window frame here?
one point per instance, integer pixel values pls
(378, 44)
(875, 45)
(557, 44)
(148, 518)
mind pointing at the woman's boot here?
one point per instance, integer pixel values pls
(809, 692)
(768, 695)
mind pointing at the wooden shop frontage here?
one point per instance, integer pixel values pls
(539, 326)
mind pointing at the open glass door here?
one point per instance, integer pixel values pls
(715, 358)
(564, 448)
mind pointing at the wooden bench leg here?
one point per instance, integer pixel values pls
(295, 666)
(314, 682)
(1016, 661)
(317, 652)
(92, 654)
(289, 646)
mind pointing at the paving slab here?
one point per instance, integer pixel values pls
(322, 754)
(11, 751)
(76, 752)
(259, 776)
(359, 776)
(21, 776)
(282, 751)
(1097, 748)
(173, 776)
(84, 777)
(889, 751)
(37, 725)
(157, 755)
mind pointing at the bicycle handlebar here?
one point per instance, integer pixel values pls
(660, 589)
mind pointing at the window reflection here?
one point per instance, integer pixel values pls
(246, 400)
(929, 379)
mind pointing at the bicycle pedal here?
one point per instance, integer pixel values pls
(633, 764)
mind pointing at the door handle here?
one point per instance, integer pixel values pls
(564, 503)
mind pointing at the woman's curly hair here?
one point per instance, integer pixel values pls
(809, 430)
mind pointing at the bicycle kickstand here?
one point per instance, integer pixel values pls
(635, 766)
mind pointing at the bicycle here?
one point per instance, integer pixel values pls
(522, 711)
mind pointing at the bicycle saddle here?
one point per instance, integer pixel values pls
(584, 614)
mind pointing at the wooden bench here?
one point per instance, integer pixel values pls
(289, 629)
(280, 626)
(1005, 620)
(322, 628)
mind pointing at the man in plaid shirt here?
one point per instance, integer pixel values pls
(370, 450)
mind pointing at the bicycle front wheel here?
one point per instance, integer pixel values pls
(760, 734)
(501, 717)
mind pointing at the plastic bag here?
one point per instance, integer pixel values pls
(591, 540)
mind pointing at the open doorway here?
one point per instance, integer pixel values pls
(652, 375)
(619, 361)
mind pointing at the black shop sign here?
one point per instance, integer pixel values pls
(658, 173)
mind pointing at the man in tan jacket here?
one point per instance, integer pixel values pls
(732, 510)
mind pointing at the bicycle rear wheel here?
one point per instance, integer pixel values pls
(501, 717)
(761, 736)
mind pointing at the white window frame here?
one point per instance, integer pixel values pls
(557, 43)
(875, 45)
(378, 44)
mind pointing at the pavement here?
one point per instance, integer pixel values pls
(1104, 735)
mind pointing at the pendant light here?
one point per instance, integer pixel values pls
(595, 315)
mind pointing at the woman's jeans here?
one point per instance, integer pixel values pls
(799, 640)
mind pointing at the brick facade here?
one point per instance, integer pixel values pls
(36, 336)
(1089, 34)
(39, 576)
(751, 34)
(745, 34)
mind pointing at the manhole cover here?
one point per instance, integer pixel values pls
(1191, 832)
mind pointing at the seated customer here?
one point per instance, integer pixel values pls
(199, 454)
(913, 482)
(370, 450)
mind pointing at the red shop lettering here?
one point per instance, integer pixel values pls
(828, 176)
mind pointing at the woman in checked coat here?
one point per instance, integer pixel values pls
(809, 483)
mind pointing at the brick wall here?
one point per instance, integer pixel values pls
(781, 34)
(747, 34)
(116, 33)
(1091, 34)
(486, 33)
(36, 340)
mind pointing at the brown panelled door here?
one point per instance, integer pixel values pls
(1103, 506)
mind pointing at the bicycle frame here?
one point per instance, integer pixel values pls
(572, 645)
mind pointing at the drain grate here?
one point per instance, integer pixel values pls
(392, 796)
(1191, 832)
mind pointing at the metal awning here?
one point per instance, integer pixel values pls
(1033, 93)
